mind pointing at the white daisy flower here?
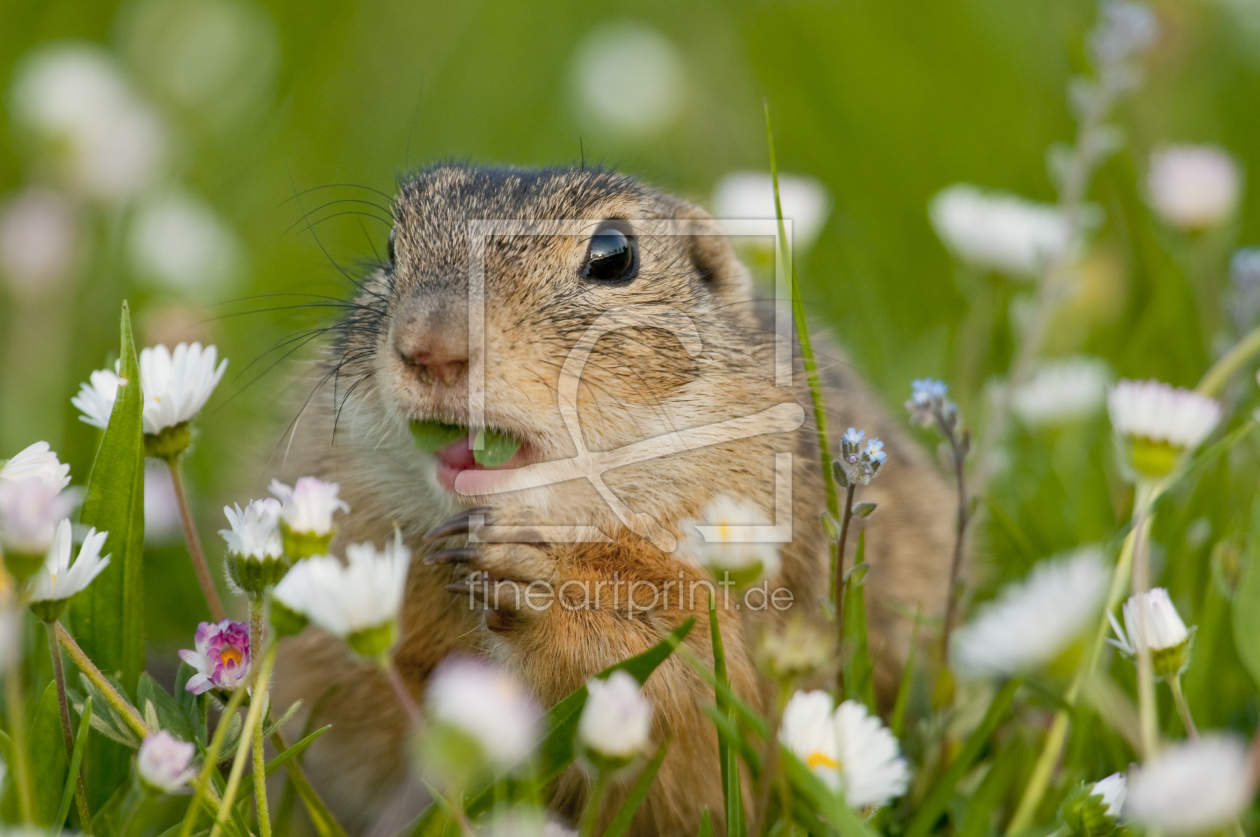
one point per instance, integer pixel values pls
(1031, 622)
(1113, 790)
(357, 601)
(255, 531)
(616, 723)
(165, 763)
(726, 548)
(309, 505)
(487, 704)
(1094, 809)
(745, 195)
(1160, 423)
(1062, 391)
(1153, 624)
(848, 748)
(255, 548)
(108, 143)
(59, 580)
(38, 461)
(1191, 787)
(30, 510)
(176, 385)
(1193, 187)
(525, 822)
(643, 65)
(998, 231)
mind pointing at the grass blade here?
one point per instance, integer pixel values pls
(938, 798)
(76, 761)
(621, 822)
(732, 791)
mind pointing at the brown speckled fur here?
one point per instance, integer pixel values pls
(638, 384)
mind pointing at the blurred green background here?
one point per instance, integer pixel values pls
(256, 106)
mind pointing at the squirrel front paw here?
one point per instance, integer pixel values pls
(511, 575)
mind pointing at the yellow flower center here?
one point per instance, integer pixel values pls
(817, 760)
(230, 655)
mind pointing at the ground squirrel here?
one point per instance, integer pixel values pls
(698, 349)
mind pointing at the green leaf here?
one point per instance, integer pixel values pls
(706, 825)
(105, 719)
(108, 617)
(857, 663)
(432, 436)
(556, 752)
(193, 706)
(165, 709)
(625, 814)
(47, 750)
(492, 448)
(728, 757)
(1246, 604)
(942, 792)
(246, 789)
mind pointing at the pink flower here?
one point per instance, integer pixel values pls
(221, 658)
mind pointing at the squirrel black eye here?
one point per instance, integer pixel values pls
(613, 255)
(389, 248)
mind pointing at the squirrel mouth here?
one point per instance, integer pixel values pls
(460, 449)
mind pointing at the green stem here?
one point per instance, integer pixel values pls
(1147, 710)
(958, 449)
(243, 748)
(784, 262)
(304, 789)
(1035, 789)
(117, 701)
(257, 605)
(401, 692)
(840, 584)
(67, 731)
(1214, 381)
(590, 820)
(1183, 708)
(195, 552)
(17, 725)
(202, 789)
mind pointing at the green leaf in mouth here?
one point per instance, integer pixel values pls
(432, 436)
(492, 448)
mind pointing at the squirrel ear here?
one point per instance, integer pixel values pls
(717, 267)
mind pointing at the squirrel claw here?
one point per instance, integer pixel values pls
(452, 556)
(458, 524)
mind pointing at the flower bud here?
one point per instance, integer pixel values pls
(616, 723)
(165, 763)
(1094, 810)
(306, 516)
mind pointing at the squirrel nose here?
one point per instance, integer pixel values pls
(434, 358)
(444, 368)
